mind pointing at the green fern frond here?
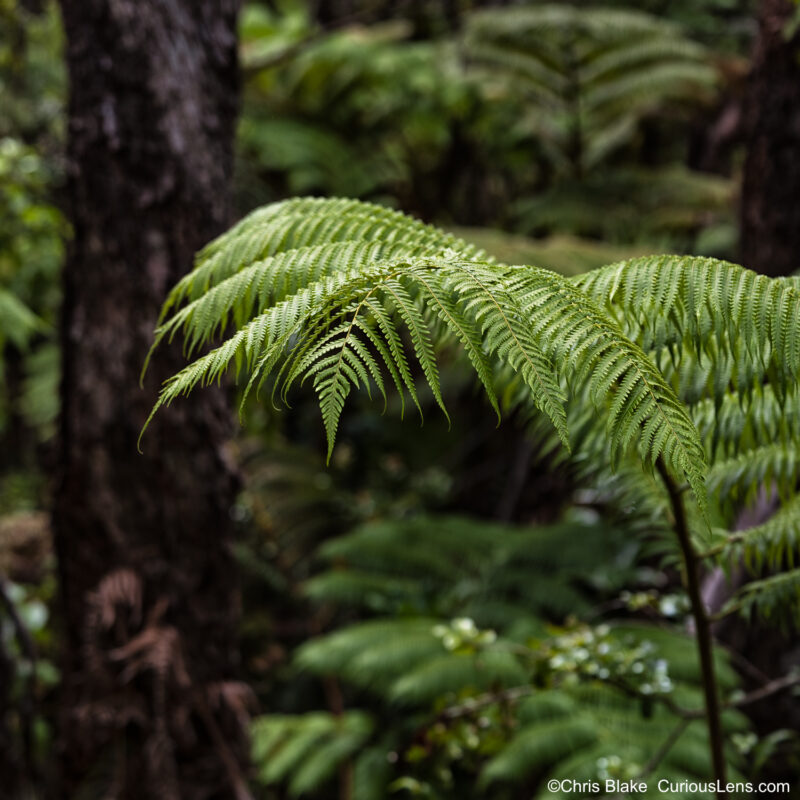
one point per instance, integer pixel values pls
(668, 300)
(608, 364)
(540, 746)
(588, 75)
(339, 314)
(372, 654)
(304, 222)
(773, 544)
(775, 599)
(438, 676)
(450, 566)
(740, 477)
(572, 733)
(306, 750)
(731, 424)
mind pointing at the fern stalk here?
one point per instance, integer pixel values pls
(702, 629)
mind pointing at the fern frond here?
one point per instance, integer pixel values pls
(774, 599)
(740, 477)
(606, 363)
(339, 306)
(540, 746)
(372, 654)
(299, 223)
(731, 423)
(306, 750)
(773, 544)
(592, 73)
(669, 300)
(477, 672)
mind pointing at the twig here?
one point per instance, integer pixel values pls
(662, 751)
(659, 755)
(773, 687)
(473, 704)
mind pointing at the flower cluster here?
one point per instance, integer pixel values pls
(585, 652)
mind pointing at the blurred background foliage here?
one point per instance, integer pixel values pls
(443, 613)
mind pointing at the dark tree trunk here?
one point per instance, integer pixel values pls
(771, 189)
(150, 598)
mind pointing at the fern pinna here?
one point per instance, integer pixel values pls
(671, 362)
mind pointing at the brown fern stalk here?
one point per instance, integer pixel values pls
(702, 629)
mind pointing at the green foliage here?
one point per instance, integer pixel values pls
(307, 749)
(683, 361)
(593, 83)
(593, 733)
(568, 255)
(342, 282)
(725, 339)
(32, 75)
(693, 360)
(727, 24)
(19, 323)
(494, 574)
(592, 75)
(32, 229)
(479, 709)
(641, 204)
(774, 599)
(359, 112)
(773, 544)
(31, 236)
(497, 125)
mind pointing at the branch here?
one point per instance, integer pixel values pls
(773, 687)
(473, 704)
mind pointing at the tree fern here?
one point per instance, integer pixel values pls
(339, 321)
(557, 731)
(596, 71)
(593, 733)
(585, 80)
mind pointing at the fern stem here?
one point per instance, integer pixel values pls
(702, 630)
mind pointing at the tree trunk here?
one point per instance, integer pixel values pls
(770, 209)
(150, 707)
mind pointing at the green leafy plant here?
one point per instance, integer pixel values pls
(638, 363)
(31, 245)
(593, 84)
(498, 698)
(32, 228)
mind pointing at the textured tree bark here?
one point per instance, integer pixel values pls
(770, 212)
(150, 599)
